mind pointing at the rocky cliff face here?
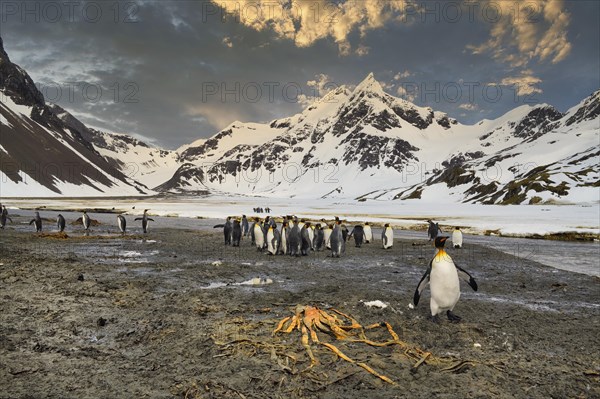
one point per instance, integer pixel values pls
(42, 154)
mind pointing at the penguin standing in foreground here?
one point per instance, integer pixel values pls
(387, 236)
(60, 223)
(443, 275)
(457, 238)
(37, 221)
(145, 220)
(85, 219)
(368, 233)
(122, 222)
(236, 233)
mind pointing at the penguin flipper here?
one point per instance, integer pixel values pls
(218, 226)
(422, 284)
(152, 220)
(464, 275)
(136, 219)
(32, 220)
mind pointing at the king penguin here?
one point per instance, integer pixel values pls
(306, 241)
(285, 231)
(368, 233)
(337, 242)
(37, 221)
(327, 236)
(85, 219)
(457, 238)
(443, 275)
(4, 217)
(236, 233)
(145, 220)
(387, 236)
(122, 222)
(273, 240)
(259, 236)
(60, 223)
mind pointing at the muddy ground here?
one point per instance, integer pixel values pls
(164, 316)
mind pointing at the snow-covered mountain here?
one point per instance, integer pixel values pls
(365, 143)
(43, 151)
(137, 160)
(359, 143)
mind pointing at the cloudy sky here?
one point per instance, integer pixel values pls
(176, 71)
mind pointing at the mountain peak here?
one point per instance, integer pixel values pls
(370, 85)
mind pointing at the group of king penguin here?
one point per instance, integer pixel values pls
(299, 237)
(61, 223)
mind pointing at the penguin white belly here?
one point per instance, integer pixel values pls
(457, 239)
(389, 235)
(284, 241)
(444, 285)
(270, 247)
(311, 235)
(259, 237)
(326, 238)
(368, 234)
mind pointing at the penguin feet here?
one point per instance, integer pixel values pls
(435, 319)
(452, 317)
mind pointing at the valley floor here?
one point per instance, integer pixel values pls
(165, 316)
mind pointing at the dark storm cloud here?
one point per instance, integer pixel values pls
(168, 71)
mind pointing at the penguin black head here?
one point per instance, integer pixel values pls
(440, 241)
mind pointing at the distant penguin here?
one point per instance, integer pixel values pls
(345, 232)
(259, 236)
(368, 233)
(358, 232)
(457, 238)
(318, 240)
(122, 223)
(443, 275)
(85, 219)
(311, 236)
(434, 230)
(337, 242)
(252, 239)
(145, 220)
(236, 233)
(227, 230)
(327, 236)
(387, 236)
(294, 240)
(285, 231)
(4, 216)
(245, 226)
(60, 223)
(306, 242)
(273, 240)
(37, 221)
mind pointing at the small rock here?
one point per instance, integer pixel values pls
(101, 322)
(80, 277)
(476, 345)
